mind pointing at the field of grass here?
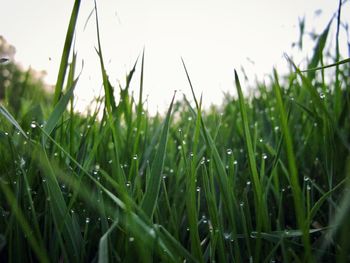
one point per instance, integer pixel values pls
(258, 179)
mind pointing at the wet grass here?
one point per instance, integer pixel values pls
(260, 179)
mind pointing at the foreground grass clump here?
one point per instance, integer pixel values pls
(261, 179)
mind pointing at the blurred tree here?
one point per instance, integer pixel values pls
(21, 91)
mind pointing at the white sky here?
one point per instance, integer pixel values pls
(213, 37)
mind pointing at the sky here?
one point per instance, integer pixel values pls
(212, 36)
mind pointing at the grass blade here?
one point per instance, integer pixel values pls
(66, 51)
(149, 201)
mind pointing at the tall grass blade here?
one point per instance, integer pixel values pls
(149, 201)
(66, 51)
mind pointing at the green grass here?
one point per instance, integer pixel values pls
(258, 179)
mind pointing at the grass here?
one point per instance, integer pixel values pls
(259, 179)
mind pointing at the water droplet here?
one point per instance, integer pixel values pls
(253, 234)
(308, 187)
(87, 220)
(306, 178)
(198, 189)
(229, 151)
(110, 161)
(22, 163)
(189, 118)
(191, 154)
(128, 184)
(235, 162)
(227, 236)
(131, 239)
(322, 96)
(261, 140)
(276, 128)
(264, 156)
(249, 183)
(152, 232)
(6, 133)
(33, 125)
(241, 204)
(134, 157)
(179, 130)
(179, 147)
(171, 171)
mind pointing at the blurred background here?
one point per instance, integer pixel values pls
(213, 37)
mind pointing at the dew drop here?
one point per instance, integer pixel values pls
(229, 151)
(87, 220)
(152, 232)
(227, 236)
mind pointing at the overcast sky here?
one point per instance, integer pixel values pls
(213, 37)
